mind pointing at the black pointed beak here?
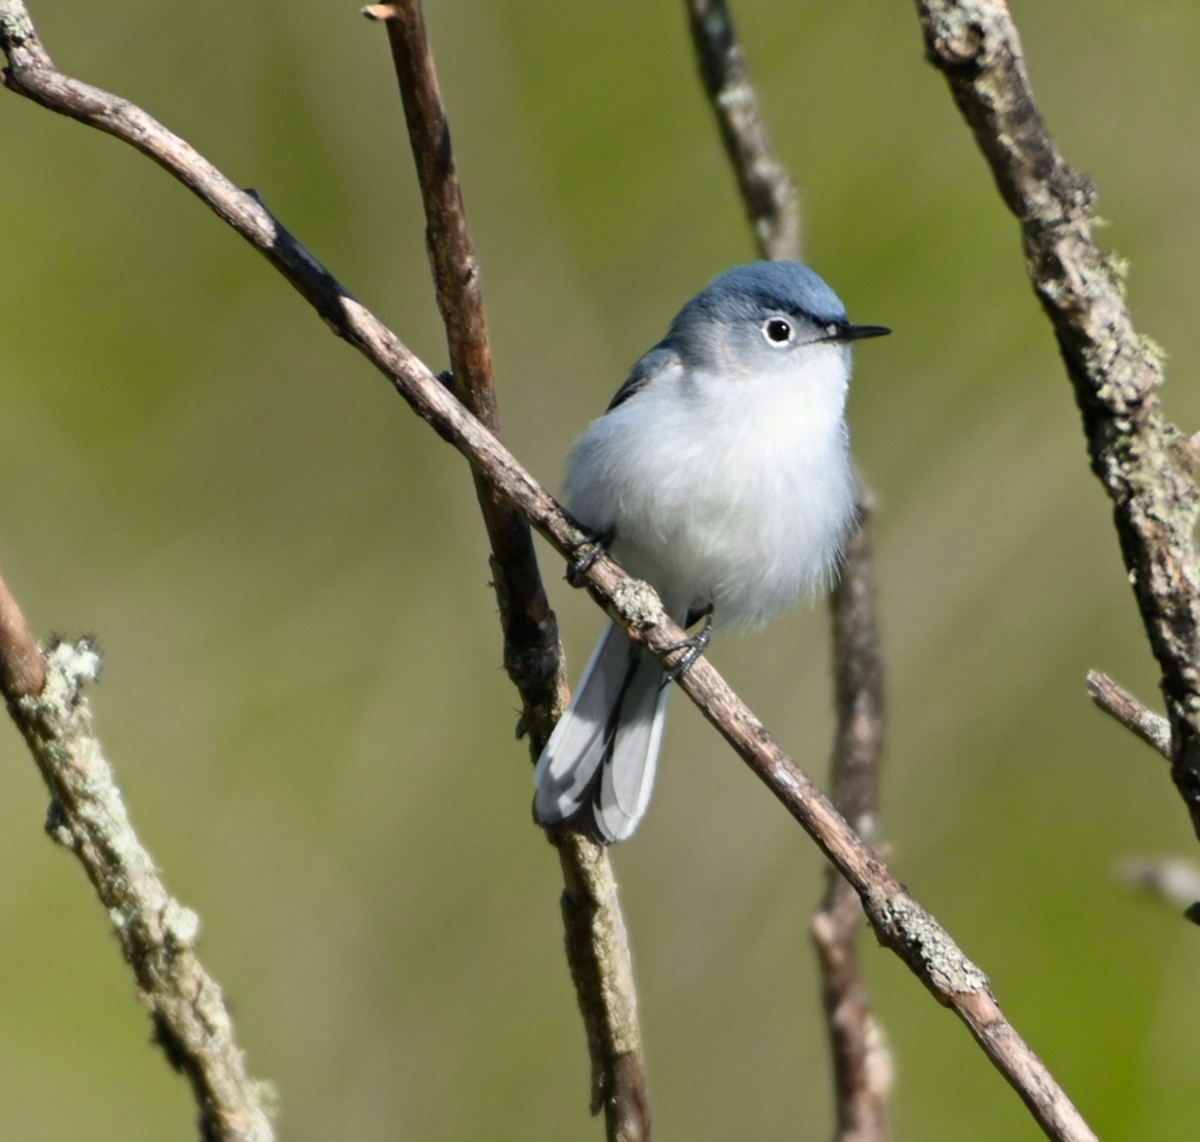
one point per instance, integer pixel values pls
(850, 332)
(845, 331)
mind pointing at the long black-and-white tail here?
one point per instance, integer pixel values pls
(597, 769)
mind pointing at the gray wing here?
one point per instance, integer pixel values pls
(659, 361)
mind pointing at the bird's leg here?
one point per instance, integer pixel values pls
(586, 551)
(691, 647)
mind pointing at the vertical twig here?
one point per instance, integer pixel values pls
(861, 1063)
(532, 651)
(597, 944)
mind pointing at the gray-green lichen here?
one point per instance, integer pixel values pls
(938, 957)
(638, 603)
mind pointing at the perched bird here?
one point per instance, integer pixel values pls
(720, 474)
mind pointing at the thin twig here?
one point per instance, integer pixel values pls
(596, 941)
(1146, 466)
(532, 650)
(900, 923)
(597, 946)
(862, 1069)
(1119, 703)
(767, 189)
(862, 1063)
(157, 934)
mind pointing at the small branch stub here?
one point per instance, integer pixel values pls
(1111, 697)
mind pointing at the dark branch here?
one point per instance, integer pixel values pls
(532, 650)
(596, 942)
(861, 1064)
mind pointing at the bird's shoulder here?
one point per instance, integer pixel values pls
(659, 363)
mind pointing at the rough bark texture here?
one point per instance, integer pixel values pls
(1146, 466)
(157, 934)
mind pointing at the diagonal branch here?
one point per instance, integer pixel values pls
(157, 934)
(900, 923)
(596, 941)
(1147, 468)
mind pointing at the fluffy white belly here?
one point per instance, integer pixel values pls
(730, 493)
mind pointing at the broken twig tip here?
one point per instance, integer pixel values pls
(380, 11)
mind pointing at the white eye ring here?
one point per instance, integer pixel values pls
(778, 332)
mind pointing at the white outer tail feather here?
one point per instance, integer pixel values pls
(601, 758)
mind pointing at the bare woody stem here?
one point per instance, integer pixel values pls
(768, 192)
(898, 920)
(1119, 703)
(532, 651)
(1146, 466)
(861, 1063)
(157, 934)
(596, 942)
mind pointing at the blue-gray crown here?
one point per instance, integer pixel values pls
(746, 292)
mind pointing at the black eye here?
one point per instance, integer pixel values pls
(777, 331)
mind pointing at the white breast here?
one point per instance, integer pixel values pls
(730, 492)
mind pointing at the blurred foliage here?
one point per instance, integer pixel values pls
(286, 569)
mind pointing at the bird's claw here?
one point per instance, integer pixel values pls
(586, 552)
(691, 649)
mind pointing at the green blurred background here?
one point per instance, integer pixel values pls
(302, 692)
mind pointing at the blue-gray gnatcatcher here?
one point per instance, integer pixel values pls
(721, 473)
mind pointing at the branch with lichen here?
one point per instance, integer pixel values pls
(157, 934)
(1147, 467)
